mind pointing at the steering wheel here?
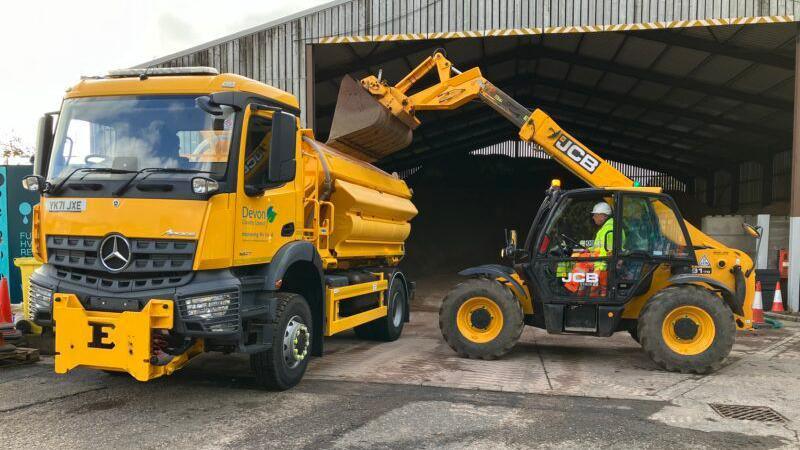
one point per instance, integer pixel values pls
(209, 143)
(573, 241)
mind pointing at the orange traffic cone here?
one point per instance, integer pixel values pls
(5, 302)
(758, 306)
(777, 304)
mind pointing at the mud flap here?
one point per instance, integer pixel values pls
(113, 341)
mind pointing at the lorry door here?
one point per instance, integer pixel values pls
(265, 214)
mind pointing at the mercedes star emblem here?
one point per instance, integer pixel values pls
(115, 253)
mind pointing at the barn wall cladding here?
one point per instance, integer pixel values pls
(274, 53)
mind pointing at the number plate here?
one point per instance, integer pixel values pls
(66, 205)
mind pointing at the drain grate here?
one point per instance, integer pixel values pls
(747, 412)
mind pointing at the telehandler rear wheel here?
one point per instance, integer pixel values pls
(686, 329)
(283, 366)
(480, 318)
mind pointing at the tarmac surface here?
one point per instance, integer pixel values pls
(550, 392)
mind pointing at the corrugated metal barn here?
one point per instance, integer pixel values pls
(695, 96)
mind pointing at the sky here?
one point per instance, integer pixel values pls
(47, 45)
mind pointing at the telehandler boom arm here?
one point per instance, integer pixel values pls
(456, 88)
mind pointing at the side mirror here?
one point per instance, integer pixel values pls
(510, 250)
(34, 183)
(752, 230)
(44, 144)
(282, 162)
(206, 104)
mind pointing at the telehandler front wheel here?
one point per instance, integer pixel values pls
(480, 318)
(283, 366)
(686, 329)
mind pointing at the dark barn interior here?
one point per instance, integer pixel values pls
(704, 112)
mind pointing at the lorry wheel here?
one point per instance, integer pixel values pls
(388, 328)
(480, 318)
(686, 329)
(282, 366)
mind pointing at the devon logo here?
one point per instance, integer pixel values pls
(259, 214)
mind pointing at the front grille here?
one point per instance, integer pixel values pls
(154, 263)
(147, 255)
(210, 313)
(115, 283)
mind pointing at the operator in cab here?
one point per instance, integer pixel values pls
(604, 239)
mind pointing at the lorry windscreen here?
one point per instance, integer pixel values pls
(129, 133)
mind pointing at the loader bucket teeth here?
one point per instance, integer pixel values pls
(364, 128)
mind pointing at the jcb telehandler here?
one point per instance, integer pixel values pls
(680, 293)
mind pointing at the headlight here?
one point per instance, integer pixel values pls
(208, 306)
(39, 298)
(218, 312)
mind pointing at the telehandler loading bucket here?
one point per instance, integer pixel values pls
(364, 128)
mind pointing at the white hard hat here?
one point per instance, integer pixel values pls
(602, 208)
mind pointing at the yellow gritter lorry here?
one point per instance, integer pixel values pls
(185, 211)
(680, 293)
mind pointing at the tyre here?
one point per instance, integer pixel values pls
(686, 329)
(480, 318)
(283, 366)
(634, 332)
(388, 328)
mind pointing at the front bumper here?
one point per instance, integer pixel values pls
(117, 341)
(223, 327)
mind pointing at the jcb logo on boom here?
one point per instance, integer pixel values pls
(575, 151)
(589, 279)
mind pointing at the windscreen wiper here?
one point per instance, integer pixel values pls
(57, 188)
(151, 170)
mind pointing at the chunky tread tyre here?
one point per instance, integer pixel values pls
(509, 306)
(269, 366)
(655, 312)
(634, 332)
(385, 329)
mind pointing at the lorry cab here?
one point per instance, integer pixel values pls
(183, 211)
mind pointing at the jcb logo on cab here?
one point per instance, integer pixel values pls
(589, 279)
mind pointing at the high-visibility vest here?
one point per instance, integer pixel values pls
(599, 244)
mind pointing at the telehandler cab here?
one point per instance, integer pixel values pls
(680, 293)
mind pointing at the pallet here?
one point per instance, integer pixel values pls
(19, 356)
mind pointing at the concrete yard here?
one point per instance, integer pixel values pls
(551, 391)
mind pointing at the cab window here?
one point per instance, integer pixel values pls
(573, 228)
(257, 149)
(652, 227)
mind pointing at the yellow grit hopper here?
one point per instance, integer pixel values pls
(185, 211)
(372, 209)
